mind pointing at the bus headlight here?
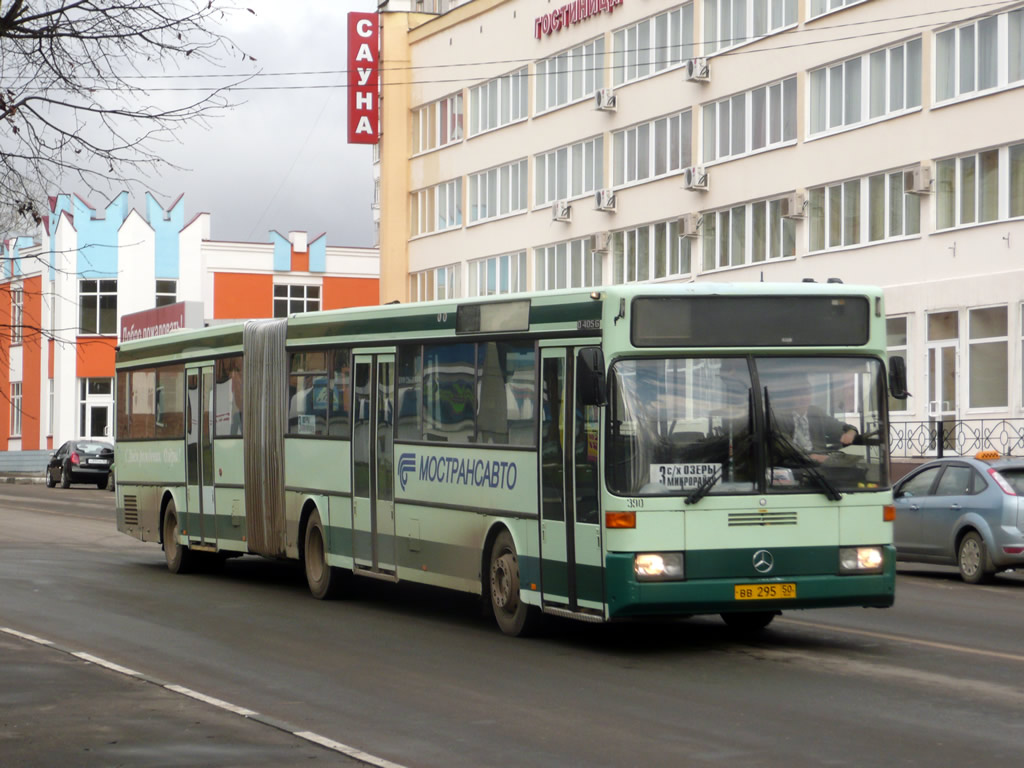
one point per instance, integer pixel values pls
(658, 566)
(860, 559)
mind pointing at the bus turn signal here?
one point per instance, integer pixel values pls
(620, 519)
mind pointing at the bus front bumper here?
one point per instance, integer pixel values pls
(629, 598)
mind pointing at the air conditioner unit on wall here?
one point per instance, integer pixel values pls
(918, 180)
(561, 211)
(600, 241)
(604, 98)
(792, 206)
(698, 70)
(689, 224)
(695, 177)
(604, 200)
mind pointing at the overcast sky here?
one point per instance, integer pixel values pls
(280, 161)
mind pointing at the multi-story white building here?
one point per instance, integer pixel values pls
(64, 296)
(538, 144)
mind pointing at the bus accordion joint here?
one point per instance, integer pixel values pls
(619, 519)
(888, 513)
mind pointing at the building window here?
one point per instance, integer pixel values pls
(437, 208)
(498, 102)
(17, 315)
(440, 284)
(569, 76)
(166, 292)
(97, 306)
(15, 408)
(869, 87)
(569, 171)
(653, 45)
(821, 7)
(967, 188)
(291, 299)
(650, 150)
(437, 124)
(835, 212)
(498, 274)
(497, 192)
(986, 54)
(650, 252)
(835, 220)
(759, 119)
(728, 23)
(571, 264)
(96, 397)
(746, 234)
(896, 345)
(989, 359)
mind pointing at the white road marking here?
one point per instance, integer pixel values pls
(908, 640)
(249, 714)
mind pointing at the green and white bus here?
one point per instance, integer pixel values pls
(601, 455)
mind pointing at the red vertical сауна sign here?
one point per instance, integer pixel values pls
(363, 78)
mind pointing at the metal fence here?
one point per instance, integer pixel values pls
(956, 437)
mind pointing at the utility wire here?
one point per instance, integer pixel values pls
(724, 42)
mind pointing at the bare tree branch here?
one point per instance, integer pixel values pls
(73, 104)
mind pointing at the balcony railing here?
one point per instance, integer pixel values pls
(956, 437)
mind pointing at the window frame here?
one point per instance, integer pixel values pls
(591, 161)
(629, 144)
(714, 113)
(586, 66)
(557, 265)
(514, 200)
(714, 37)
(626, 39)
(508, 269)
(510, 90)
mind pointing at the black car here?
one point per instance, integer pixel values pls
(80, 461)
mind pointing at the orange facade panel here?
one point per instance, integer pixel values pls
(239, 296)
(341, 292)
(300, 261)
(31, 351)
(94, 356)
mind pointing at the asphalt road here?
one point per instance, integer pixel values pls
(418, 677)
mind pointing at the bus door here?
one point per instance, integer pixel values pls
(200, 519)
(570, 530)
(373, 500)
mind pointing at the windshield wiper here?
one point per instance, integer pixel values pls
(810, 465)
(705, 487)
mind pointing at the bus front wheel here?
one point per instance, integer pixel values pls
(515, 617)
(179, 558)
(324, 581)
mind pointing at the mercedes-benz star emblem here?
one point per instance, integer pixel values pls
(763, 561)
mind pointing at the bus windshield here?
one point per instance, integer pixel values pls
(747, 425)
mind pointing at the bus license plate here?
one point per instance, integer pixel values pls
(764, 591)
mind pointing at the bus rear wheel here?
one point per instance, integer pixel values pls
(179, 558)
(514, 617)
(324, 580)
(749, 622)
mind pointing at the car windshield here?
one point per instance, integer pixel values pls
(675, 423)
(92, 447)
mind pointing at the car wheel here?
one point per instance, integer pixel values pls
(65, 477)
(50, 482)
(972, 557)
(515, 617)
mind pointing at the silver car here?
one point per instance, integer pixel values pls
(962, 511)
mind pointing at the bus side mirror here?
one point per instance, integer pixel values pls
(898, 378)
(590, 376)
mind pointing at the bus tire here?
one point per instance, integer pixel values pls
(514, 617)
(324, 580)
(749, 622)
(179, 558)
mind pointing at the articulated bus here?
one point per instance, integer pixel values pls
(603, 455)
